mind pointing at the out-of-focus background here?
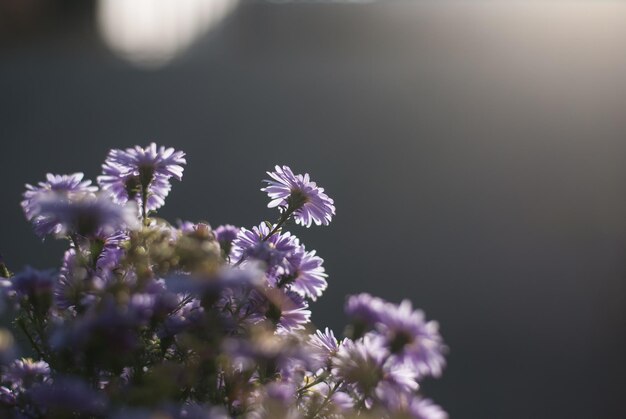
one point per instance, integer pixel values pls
(476, 152)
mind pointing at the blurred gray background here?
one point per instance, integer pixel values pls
(476, 152)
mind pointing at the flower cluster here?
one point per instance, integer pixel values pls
(148, 319)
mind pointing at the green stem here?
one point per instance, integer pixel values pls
(325, 402)
(144, 206)
(74, 240)
(181, 304)
(282, 220)
(315, 382)
(34, 344)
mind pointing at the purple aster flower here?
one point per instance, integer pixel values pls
(23, 373)
(365, 366)
(189, 314)
(235, 286)
(225, 235)
(361, 364)
(364, 312)
(297, 194)
(282, 392)
(65, 186)
(303, 274)
(279, 353)
(147, 306)
(227, 291)
(342, 401)
(153, 303)
(85, 215)
(323, 345)
(65, 293)
(410, 406)
(339, 405)
(186, 227)
(287, 311)
(127, 174)
(411, 339)
(112, 251)
(421, 408)
(250, 244)
(7, 397)
(72, 289)
(276, 399)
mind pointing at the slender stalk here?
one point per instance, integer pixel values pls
(325, 402)
(315, 382)
(144, 205)
(283, 219)
(34, 344)
(181, 304)
(74, 241)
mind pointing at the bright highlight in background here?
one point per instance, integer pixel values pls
(150, 33)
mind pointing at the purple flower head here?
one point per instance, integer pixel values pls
(414, 407)
(237, 285)
(298, 194)
(420, 408)
(154, 303)
(112, 250)
(364, 312)
(73, 282)
(360, 364)
(408, 405)
(189, 314)
(23, 373)
(186, 227)
(66, 186)
(339, 404)
(7, 397)
(411, 339)
(281, 391)
(342, 401)
(365, 365)
(249, 244)
(225, 235)
(280, 353)
(127, 172)
(323, 345)
(85, 215)
(287, 311)
(303, 273)
(275, 399)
